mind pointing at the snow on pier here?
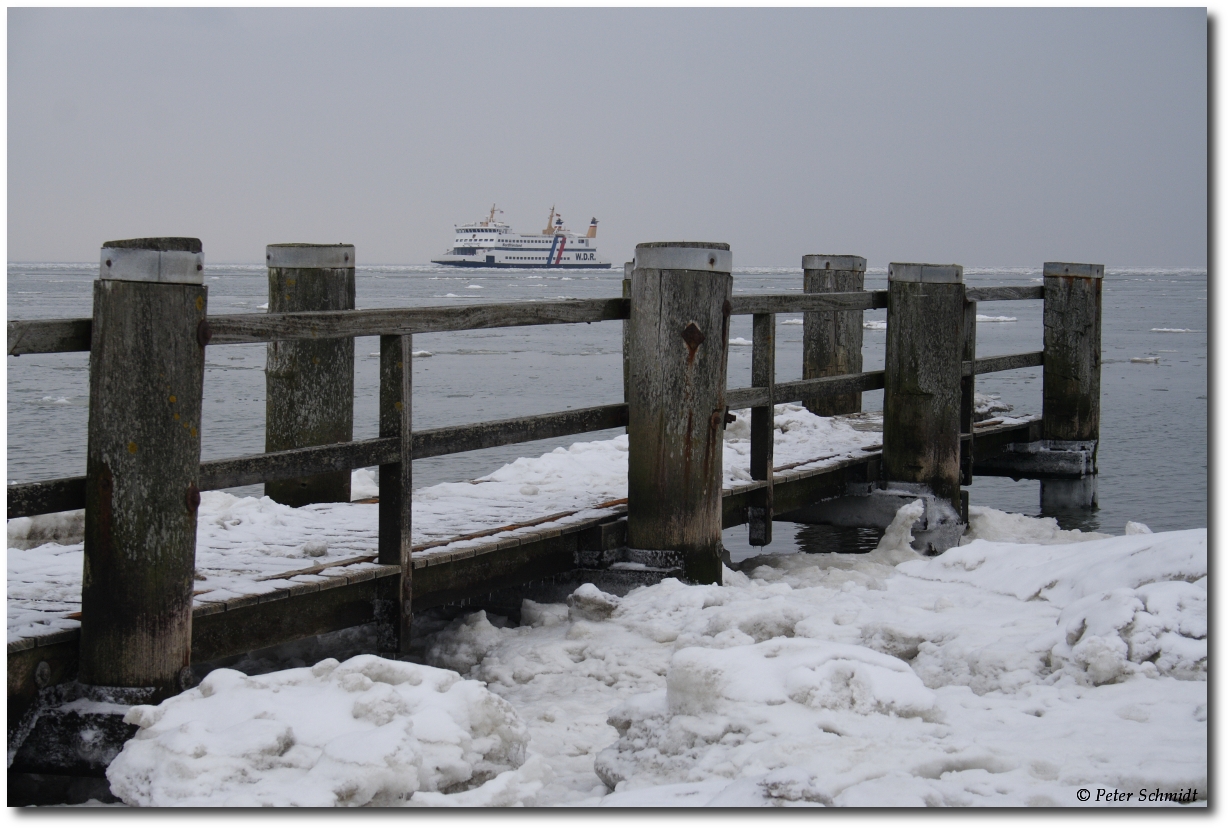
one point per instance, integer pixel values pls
(251, 546)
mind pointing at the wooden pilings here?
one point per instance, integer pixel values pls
(147, 365)
(678, 334)
(833, 340)
(627, 295)
(309, 385)
(1072, 348)
(393, 609)
(922, 378)
(764, 349)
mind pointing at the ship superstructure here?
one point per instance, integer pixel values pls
(490, 243)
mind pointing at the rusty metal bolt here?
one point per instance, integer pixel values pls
(192, 497)
(204, 333)
(693, 336)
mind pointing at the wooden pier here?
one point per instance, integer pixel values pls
(140, 631)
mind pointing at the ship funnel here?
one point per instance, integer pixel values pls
(593, 229)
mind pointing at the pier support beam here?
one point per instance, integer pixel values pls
(309, 384)
(833, 340)
(1072, 353)
(923, 389)
(1071, 385)
(147, 365)
(678, 334)
(393, 609)
(760, 513)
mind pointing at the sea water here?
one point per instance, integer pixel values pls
(1153, 456)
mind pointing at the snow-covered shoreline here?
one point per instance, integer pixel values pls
(1014, 670)
(1002, 673)
(247, 545)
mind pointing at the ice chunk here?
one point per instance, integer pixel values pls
(368, 731)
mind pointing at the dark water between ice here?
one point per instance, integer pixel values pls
(1153, 456)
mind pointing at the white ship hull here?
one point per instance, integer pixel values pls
(492, 244)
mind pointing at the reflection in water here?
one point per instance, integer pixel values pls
(829, 539)
(789, 537)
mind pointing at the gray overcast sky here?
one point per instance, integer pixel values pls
(983, 137)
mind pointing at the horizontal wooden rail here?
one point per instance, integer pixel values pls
(48, 336)
(313, 325)
(73, 335)
(1003, 363)
(69, 493)
(1003, 292)
(51, 496)
(797, 390)
(797, 303)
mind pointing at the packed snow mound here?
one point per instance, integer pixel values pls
(67, 528)
(368, 731)
(762, 694)
(997, 526)
(944, 681)
(1134, 604)
(988, 405)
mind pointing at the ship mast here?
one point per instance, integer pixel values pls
(550, 230)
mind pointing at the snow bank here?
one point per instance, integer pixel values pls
(365, 732)
(1135, 604)
(844, 680)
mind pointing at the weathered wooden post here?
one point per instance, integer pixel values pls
(627, 295)
(922, 378)
(969, 351)
(678, 335)
(1071, 384)
(760, 512)
(833, 340)
(309, 384)
(1072, 354)
(393, 608)
(147, 365)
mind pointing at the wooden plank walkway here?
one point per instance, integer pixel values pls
(340, 595)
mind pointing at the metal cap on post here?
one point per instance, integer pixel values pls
(166, 259)
(923, 272)
(833, 340)
(834, 262)
(142, 467)
(678, 334)
(309, 384)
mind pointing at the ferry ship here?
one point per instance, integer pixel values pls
(493, 244)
